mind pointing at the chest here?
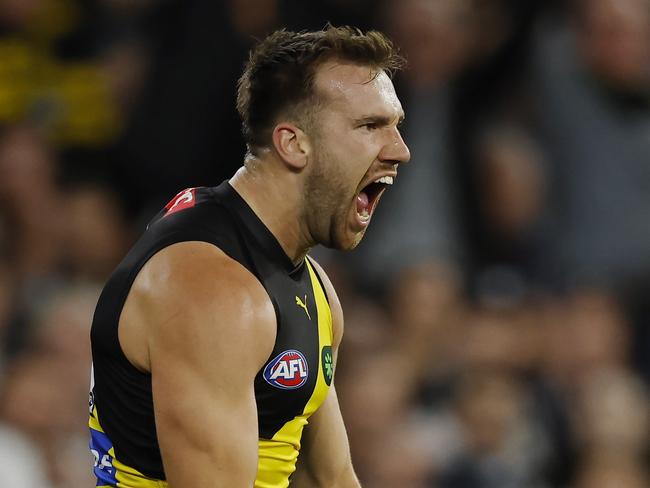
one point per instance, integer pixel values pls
(298, 371)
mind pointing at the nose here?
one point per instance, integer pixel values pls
(395, 151)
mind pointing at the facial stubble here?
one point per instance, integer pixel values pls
(327, 200)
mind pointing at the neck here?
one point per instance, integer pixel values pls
(274, 194)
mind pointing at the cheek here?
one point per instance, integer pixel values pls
(344, 158)
(337, 170)
(359, 157)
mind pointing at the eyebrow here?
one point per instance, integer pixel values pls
(380, 120)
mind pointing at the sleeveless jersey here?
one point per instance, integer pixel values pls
(289, 387)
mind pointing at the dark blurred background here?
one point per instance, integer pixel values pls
(497, 313)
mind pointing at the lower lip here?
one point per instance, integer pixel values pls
(361, 223)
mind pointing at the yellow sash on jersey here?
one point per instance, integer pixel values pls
(278, 456)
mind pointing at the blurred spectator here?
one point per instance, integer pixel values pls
(593, 76)
(383, 385)
(417, 219)
(61, 328)
(428, 321)
(503, 447)
(512, 231)
(612, 471)
(493, 312)
(32, 223)
(42, 79)
(21, 463)
(589, 333)
(7, 297)
(184, 130)
(36, 400)
(96, 236)
(613, 38)
(30, 200)
(501, 337)
(612, 415)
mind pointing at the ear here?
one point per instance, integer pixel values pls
(292, 145)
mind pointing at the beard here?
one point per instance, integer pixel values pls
(327, 200)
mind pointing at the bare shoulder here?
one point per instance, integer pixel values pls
(190, 295)
(206, 328)
(335, 303)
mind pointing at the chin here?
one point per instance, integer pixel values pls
(348, 243)
(342, 236)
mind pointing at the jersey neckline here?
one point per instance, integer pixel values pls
(260, 231)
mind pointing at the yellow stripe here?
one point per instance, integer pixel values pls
(325, 331)
(278, 456)
(126, 476)
(93, 421)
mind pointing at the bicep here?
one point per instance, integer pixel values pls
(206, 427)
(202, 424)
(208, 338)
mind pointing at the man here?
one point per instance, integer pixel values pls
(215, 341)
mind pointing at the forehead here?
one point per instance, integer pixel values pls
(357, 89)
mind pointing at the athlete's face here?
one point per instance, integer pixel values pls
(356, 150)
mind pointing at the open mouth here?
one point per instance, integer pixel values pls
(369, 196)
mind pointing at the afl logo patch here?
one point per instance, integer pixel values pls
(287, 371)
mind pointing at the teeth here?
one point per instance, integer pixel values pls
(364, 213)
(387, 180)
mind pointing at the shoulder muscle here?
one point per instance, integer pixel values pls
(191, 296)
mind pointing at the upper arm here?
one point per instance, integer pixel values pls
(325, 456)
(209, 326)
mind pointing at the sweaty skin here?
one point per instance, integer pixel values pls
(192, 310)
(358, 141)
(311, 196)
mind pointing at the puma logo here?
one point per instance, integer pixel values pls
(303, 305)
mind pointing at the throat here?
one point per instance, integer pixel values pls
(368, 197)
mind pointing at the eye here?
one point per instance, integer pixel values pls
(370, 126)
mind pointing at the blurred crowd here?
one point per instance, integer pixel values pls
(498, 311)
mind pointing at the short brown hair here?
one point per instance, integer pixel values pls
(279, 75)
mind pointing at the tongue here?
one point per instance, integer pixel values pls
(362, 202)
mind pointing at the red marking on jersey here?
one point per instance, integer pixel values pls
(184, 199)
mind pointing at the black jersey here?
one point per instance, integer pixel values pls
(290, 386)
